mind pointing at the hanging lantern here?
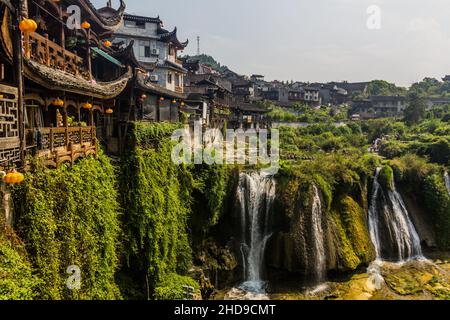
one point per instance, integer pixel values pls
(161, 99)
(144, 96)
(85, 25)
(109, 111)
(58, 102)
(174, 101)
(87, 106)
(14, 177)
(183, 104)
(107, 43)
(28, 25)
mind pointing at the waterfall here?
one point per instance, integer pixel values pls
(318, 237)
(447, 181)
(255, 193)
(391, 229)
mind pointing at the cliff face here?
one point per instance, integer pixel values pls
(344, 234)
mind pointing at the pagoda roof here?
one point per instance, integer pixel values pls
(171, 37)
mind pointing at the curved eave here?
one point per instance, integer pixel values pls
(5, 35)
(158, 90)
(107, 23)
(8, 4)
(171, 37)
(172, 66)
(127, 56)
(62, 81)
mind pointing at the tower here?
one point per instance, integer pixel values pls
(198, 45)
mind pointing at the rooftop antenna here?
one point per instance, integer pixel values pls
(198, 45)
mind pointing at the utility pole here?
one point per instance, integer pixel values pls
(198, 45)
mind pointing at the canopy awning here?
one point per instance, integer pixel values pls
(107, 57)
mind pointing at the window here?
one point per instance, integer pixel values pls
(129, 24)
(177, 80)
(144, 49)
(169, 78)
(140, 25)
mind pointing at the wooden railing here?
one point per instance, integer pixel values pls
(179, 89)
(54, 138)
(44, 51)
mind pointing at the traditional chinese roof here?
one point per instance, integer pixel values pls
(8, 4)
(59, 80)
(251, 108)
(108, 18)
(174, 66)
(171, 37)
(130, 17)
(147, 86)
(387, 98)
(126, 56)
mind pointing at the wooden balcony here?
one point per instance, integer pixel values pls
(179, 89)
(44, 51)
(62, 145)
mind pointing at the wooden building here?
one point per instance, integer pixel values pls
(69, 75)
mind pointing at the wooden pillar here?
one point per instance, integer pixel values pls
(18, 64)
(63, 38)
(26, 42)
(91, 117)
(47, 50)
(158, 110)
(88, 50)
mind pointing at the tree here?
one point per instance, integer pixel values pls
(416, 109)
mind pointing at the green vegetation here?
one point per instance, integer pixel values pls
(379, 88)
(172, 287)
(69, 216)
(17, 282)
(307, 114)
(427, 180)
(163, 202)
(210, 61)
(416, 109)
(430, 87)
(156, 194)
(355, 247)
(386, 178)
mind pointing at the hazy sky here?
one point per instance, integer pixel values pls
(320, 40)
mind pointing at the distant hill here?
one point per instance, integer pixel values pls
(210, 61)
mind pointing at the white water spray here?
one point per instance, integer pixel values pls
(256, 193)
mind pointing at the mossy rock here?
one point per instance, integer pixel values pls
(355, 247)
(386, 178)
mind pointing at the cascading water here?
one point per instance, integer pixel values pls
(391, 229)
(318, 237)
(256, 193)
(447, 181)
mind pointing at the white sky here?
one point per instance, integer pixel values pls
(313, 40)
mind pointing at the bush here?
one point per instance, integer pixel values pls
(386, 178)
(172, 287)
